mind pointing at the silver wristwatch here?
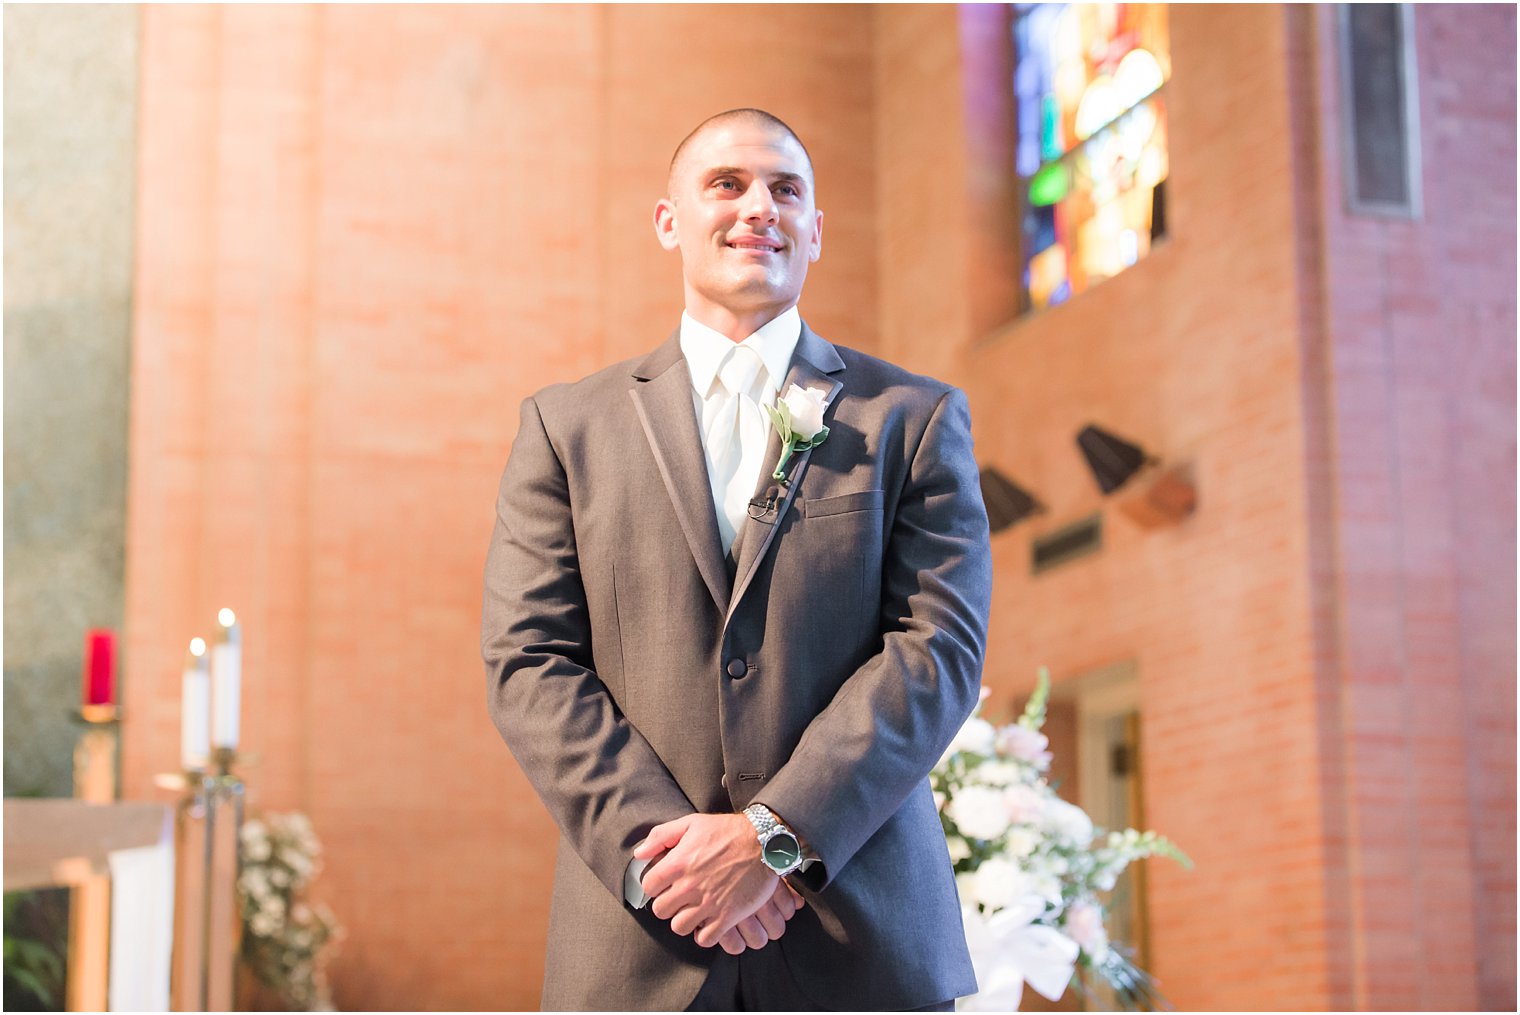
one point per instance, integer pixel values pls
(780, 849)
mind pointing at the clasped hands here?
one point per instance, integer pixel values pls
(711, 882)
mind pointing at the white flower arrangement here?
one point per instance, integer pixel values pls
(1030, 867)
(283, 936)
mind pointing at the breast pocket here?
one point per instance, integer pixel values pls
(845, 503)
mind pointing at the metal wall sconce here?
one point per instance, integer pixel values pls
(1113, 460)
(1007, 502)
(1154, 495)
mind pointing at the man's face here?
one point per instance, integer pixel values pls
(741, 212)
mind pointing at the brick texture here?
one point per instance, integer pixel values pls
(1415, 394)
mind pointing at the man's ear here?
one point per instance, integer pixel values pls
(665, 224)
(815, 249)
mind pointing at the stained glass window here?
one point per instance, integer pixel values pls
(1091, 156)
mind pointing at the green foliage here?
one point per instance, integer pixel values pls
(1133, 988)
(35, 939)
(1034, 712)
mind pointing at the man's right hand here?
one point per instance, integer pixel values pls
(712, 877)
(768, 922)
(702, 869)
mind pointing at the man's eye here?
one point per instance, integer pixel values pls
(728, 184)
(788, 189)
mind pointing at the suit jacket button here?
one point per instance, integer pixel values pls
(736, 668)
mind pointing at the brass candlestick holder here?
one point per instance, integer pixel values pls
(95, 753)
(90, 902)
(207, 924)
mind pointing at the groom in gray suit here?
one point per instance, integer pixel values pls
(735, 609)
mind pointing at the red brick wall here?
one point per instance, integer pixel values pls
(1418, 393)
(365, 235)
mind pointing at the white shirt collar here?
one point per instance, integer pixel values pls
(705, 348)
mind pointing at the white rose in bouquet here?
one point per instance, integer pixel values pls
(1025, 744)
(995, 773)
(1068, 821)
(999, 884)
(1025, 804)
(1084, 925)
(1022, 842)
(979, 812)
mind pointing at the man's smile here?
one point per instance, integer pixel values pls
(759, 244)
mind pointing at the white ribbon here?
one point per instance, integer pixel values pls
(1008, 950)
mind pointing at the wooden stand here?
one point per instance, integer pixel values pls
(90, 899)
(75, 843)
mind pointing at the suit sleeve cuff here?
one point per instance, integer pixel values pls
(810, 857)
(633, 889)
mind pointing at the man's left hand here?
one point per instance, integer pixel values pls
(768, 923)
(711, 879)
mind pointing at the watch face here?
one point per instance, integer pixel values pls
(782, 851)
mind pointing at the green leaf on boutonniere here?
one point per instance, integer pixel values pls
(818, 438)
(781, 419)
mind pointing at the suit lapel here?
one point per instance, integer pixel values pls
(812, 362)
(663, 401)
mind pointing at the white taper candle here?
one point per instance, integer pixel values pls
(195, 710)
(226, 681)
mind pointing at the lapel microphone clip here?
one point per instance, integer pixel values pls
(760, 510)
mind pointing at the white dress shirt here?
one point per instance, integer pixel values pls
(705, 351)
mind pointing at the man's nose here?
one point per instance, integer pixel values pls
(759, 203)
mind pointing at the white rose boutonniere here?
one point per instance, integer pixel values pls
(798, 418)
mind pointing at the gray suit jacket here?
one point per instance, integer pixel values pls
(636, 681)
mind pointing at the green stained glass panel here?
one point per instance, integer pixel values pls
(1049, 185)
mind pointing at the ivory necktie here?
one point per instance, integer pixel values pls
(736, 435)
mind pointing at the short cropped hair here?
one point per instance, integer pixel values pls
(758, 116)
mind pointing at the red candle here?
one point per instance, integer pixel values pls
(100, 667)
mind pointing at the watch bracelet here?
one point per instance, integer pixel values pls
(764, 820)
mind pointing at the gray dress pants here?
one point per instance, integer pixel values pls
(761, 981)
